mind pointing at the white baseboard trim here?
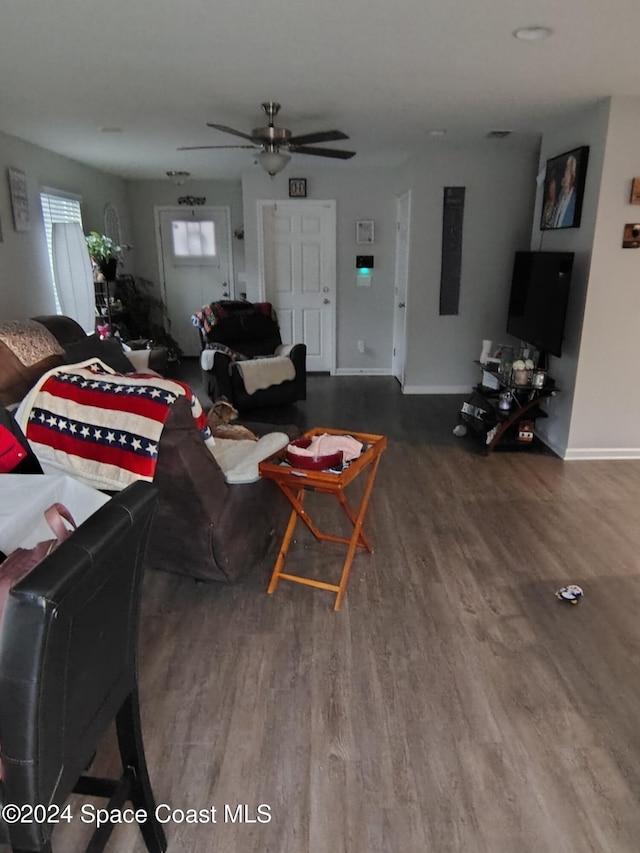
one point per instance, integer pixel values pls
(363, 371)
(555, 448)
(437, 389)
(586, 453)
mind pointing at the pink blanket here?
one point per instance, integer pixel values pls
(325, 444)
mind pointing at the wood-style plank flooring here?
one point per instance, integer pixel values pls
(453, 704)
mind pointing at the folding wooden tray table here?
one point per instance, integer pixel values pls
(293, 482)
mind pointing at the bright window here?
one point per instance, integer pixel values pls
(58, 207)
(194, 241)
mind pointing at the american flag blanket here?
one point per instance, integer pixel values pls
(100, 426)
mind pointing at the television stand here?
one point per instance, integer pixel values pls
(513, 427)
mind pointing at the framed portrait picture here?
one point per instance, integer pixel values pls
(563, 190)
(365, 232)
(297, 187)
(19, 199)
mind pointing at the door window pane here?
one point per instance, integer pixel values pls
(194, 239)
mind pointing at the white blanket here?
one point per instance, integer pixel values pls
(239, 459)
(259, 373)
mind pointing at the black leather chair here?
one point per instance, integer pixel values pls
(252, 330)
(68, 670)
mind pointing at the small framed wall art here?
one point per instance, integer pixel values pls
(19, 199)
(631, 238)
(297, 187)
(564, 189)
(365, 231)
(635, 191)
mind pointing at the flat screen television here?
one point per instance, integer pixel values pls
(539, 297)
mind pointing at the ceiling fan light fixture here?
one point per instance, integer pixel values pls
(273, 161)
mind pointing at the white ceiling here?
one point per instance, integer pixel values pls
(383, 71)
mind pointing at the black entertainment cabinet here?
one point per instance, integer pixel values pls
(482, 414)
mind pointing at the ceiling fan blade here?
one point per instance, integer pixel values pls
(322, 136)
(232, 130)
(323, 152)
(202, 147)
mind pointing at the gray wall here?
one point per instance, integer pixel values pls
(363, 313)
(500, 181)
(588, 127)
(606, 404)
(145, 195)
(499, 176)
(26, 288)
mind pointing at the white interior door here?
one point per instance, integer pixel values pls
(196, 263)
(298, 266)
(401, 286)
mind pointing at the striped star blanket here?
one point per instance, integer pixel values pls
(100, 426)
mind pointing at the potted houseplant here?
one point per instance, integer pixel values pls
(104, 253)
(145, 314)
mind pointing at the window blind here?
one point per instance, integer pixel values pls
(57, 207)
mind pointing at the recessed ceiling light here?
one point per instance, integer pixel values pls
(533, 33)
(108, 129)
(438, 132)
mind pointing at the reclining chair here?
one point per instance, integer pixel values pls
(68, 640)
(235, 338)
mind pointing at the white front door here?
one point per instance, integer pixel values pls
(298, 271)
(400, 286)
(196, 265)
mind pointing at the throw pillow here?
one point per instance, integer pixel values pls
(29, 340)
(16, 379)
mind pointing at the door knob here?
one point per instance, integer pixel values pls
(325, 290)
(326, 301)
(400, 304)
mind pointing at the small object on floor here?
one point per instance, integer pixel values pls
(491, 434)
(570, 594)
(460, 430)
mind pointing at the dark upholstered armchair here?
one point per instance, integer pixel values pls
(232, 335)
(68, 670)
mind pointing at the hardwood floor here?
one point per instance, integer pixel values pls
(453, 704)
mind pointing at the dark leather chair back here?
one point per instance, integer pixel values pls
(249, 328)
(68, 668)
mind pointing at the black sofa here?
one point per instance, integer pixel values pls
(203, 527)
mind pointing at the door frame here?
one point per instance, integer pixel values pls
(261, 204)
(405, 284)
(159, 209)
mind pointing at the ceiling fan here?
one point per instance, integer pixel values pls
(276, 144)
